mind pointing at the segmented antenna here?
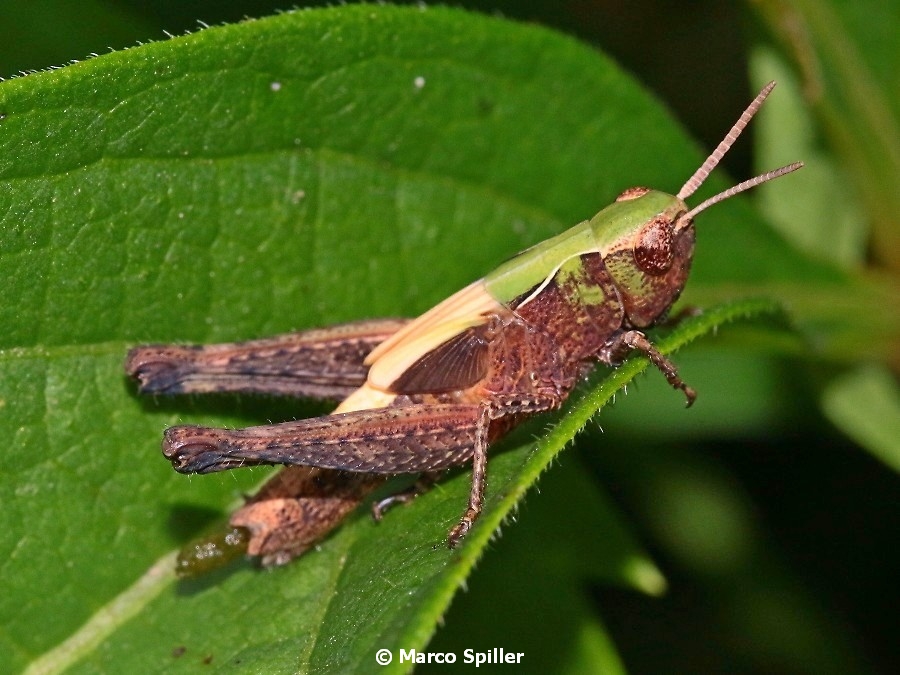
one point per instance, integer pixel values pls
(740, 187)
(695, 181)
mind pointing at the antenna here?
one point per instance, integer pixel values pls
(695, 181)
(740, 187)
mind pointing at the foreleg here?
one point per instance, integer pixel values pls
(619, 346)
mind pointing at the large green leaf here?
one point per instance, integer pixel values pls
(285, 173)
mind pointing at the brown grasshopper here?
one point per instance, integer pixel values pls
(429, 394)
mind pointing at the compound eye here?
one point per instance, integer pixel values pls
(632, 193)
(653, 248)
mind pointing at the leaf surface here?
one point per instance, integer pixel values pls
(272, 175)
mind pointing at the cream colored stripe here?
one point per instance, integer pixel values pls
(464, 309)
(107, 619)
(473, 301)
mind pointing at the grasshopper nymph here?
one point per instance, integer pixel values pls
(425, 395)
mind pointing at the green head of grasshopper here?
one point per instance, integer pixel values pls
(645, 239)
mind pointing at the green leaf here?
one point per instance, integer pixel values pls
(518, 606)
(278, 174)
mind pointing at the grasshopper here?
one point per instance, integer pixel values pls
(422, 396)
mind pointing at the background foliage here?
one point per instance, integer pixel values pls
(171, 192)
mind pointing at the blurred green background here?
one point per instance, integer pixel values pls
(803, 517)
